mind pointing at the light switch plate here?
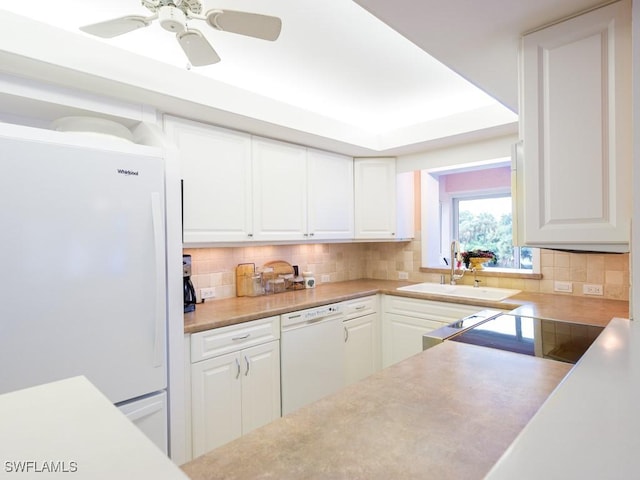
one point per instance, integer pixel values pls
(565, 287)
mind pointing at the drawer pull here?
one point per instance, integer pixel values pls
(247, 335)
(360, 307)
(238, 367)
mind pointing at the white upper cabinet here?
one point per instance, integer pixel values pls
(375, 198)
(216, 171)
(574, 179)
(279, 190)
(330, 196)
(237, 187)
(384, 200)
(300, 193)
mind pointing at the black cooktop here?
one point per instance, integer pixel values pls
(557, 340)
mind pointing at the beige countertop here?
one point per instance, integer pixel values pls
(229, 311)
(447, 413)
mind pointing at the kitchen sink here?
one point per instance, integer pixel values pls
(465, 291)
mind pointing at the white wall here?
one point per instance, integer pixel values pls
(477, 152)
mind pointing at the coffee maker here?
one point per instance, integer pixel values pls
(189, 291)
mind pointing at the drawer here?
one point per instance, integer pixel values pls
(359, 307)
(428, 309)
(220, 341)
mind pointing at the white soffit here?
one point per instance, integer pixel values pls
(336, 71)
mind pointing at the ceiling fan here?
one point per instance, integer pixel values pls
(173, 16)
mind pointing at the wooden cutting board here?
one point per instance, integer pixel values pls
(244, 271)
(280, 267)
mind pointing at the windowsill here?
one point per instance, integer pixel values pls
(493, 272)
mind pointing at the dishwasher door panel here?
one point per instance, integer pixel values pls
(312, 362)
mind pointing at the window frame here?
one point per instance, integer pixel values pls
(437, 221)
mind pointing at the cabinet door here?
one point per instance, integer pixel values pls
(330, 195)
(576, 127)
(360, 351)
(402, 336)
(260, 385)
(216, 174)
(279, 193)
(216, 408)
(375, 198)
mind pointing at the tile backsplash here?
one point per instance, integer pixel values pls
(335, 262)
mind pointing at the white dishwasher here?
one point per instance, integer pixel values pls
(312, 355)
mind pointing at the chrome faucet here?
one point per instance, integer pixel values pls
(476, 282)
(455, 248)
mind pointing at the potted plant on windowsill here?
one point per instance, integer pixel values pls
(475, 258)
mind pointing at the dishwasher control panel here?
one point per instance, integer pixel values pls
(311, 315)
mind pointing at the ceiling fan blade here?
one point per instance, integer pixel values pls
(244, 23)
(197, 49)
(118, 26)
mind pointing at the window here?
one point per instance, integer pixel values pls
(471, 204)
(485, 222)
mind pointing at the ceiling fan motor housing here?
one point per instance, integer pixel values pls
(172, 19)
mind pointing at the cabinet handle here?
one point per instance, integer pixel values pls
(360, 307)
(248, 364)
(346, 335)
(249, 235)
(238, 367)
(235, 339)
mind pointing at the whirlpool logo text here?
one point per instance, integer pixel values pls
(130, 173)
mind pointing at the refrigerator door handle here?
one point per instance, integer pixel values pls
(158, 242)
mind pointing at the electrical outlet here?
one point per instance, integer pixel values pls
(565, 287)
(592, 289)
(207, 293)
(403, 275)
(325, 278)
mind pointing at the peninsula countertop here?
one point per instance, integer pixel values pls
(446, 413)
(230, 311)
(69, 429)
(589, 426)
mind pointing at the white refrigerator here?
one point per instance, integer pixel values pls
(83, 268)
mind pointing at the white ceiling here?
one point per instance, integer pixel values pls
(477, 39)
(337, 77)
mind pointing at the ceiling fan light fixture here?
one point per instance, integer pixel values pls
(173, 16)
(172, 19)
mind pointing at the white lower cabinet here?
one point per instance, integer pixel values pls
(236, 392)
(403, 336)
(361, 338)
(405, 320)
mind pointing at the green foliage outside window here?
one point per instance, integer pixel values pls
(485, 231)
